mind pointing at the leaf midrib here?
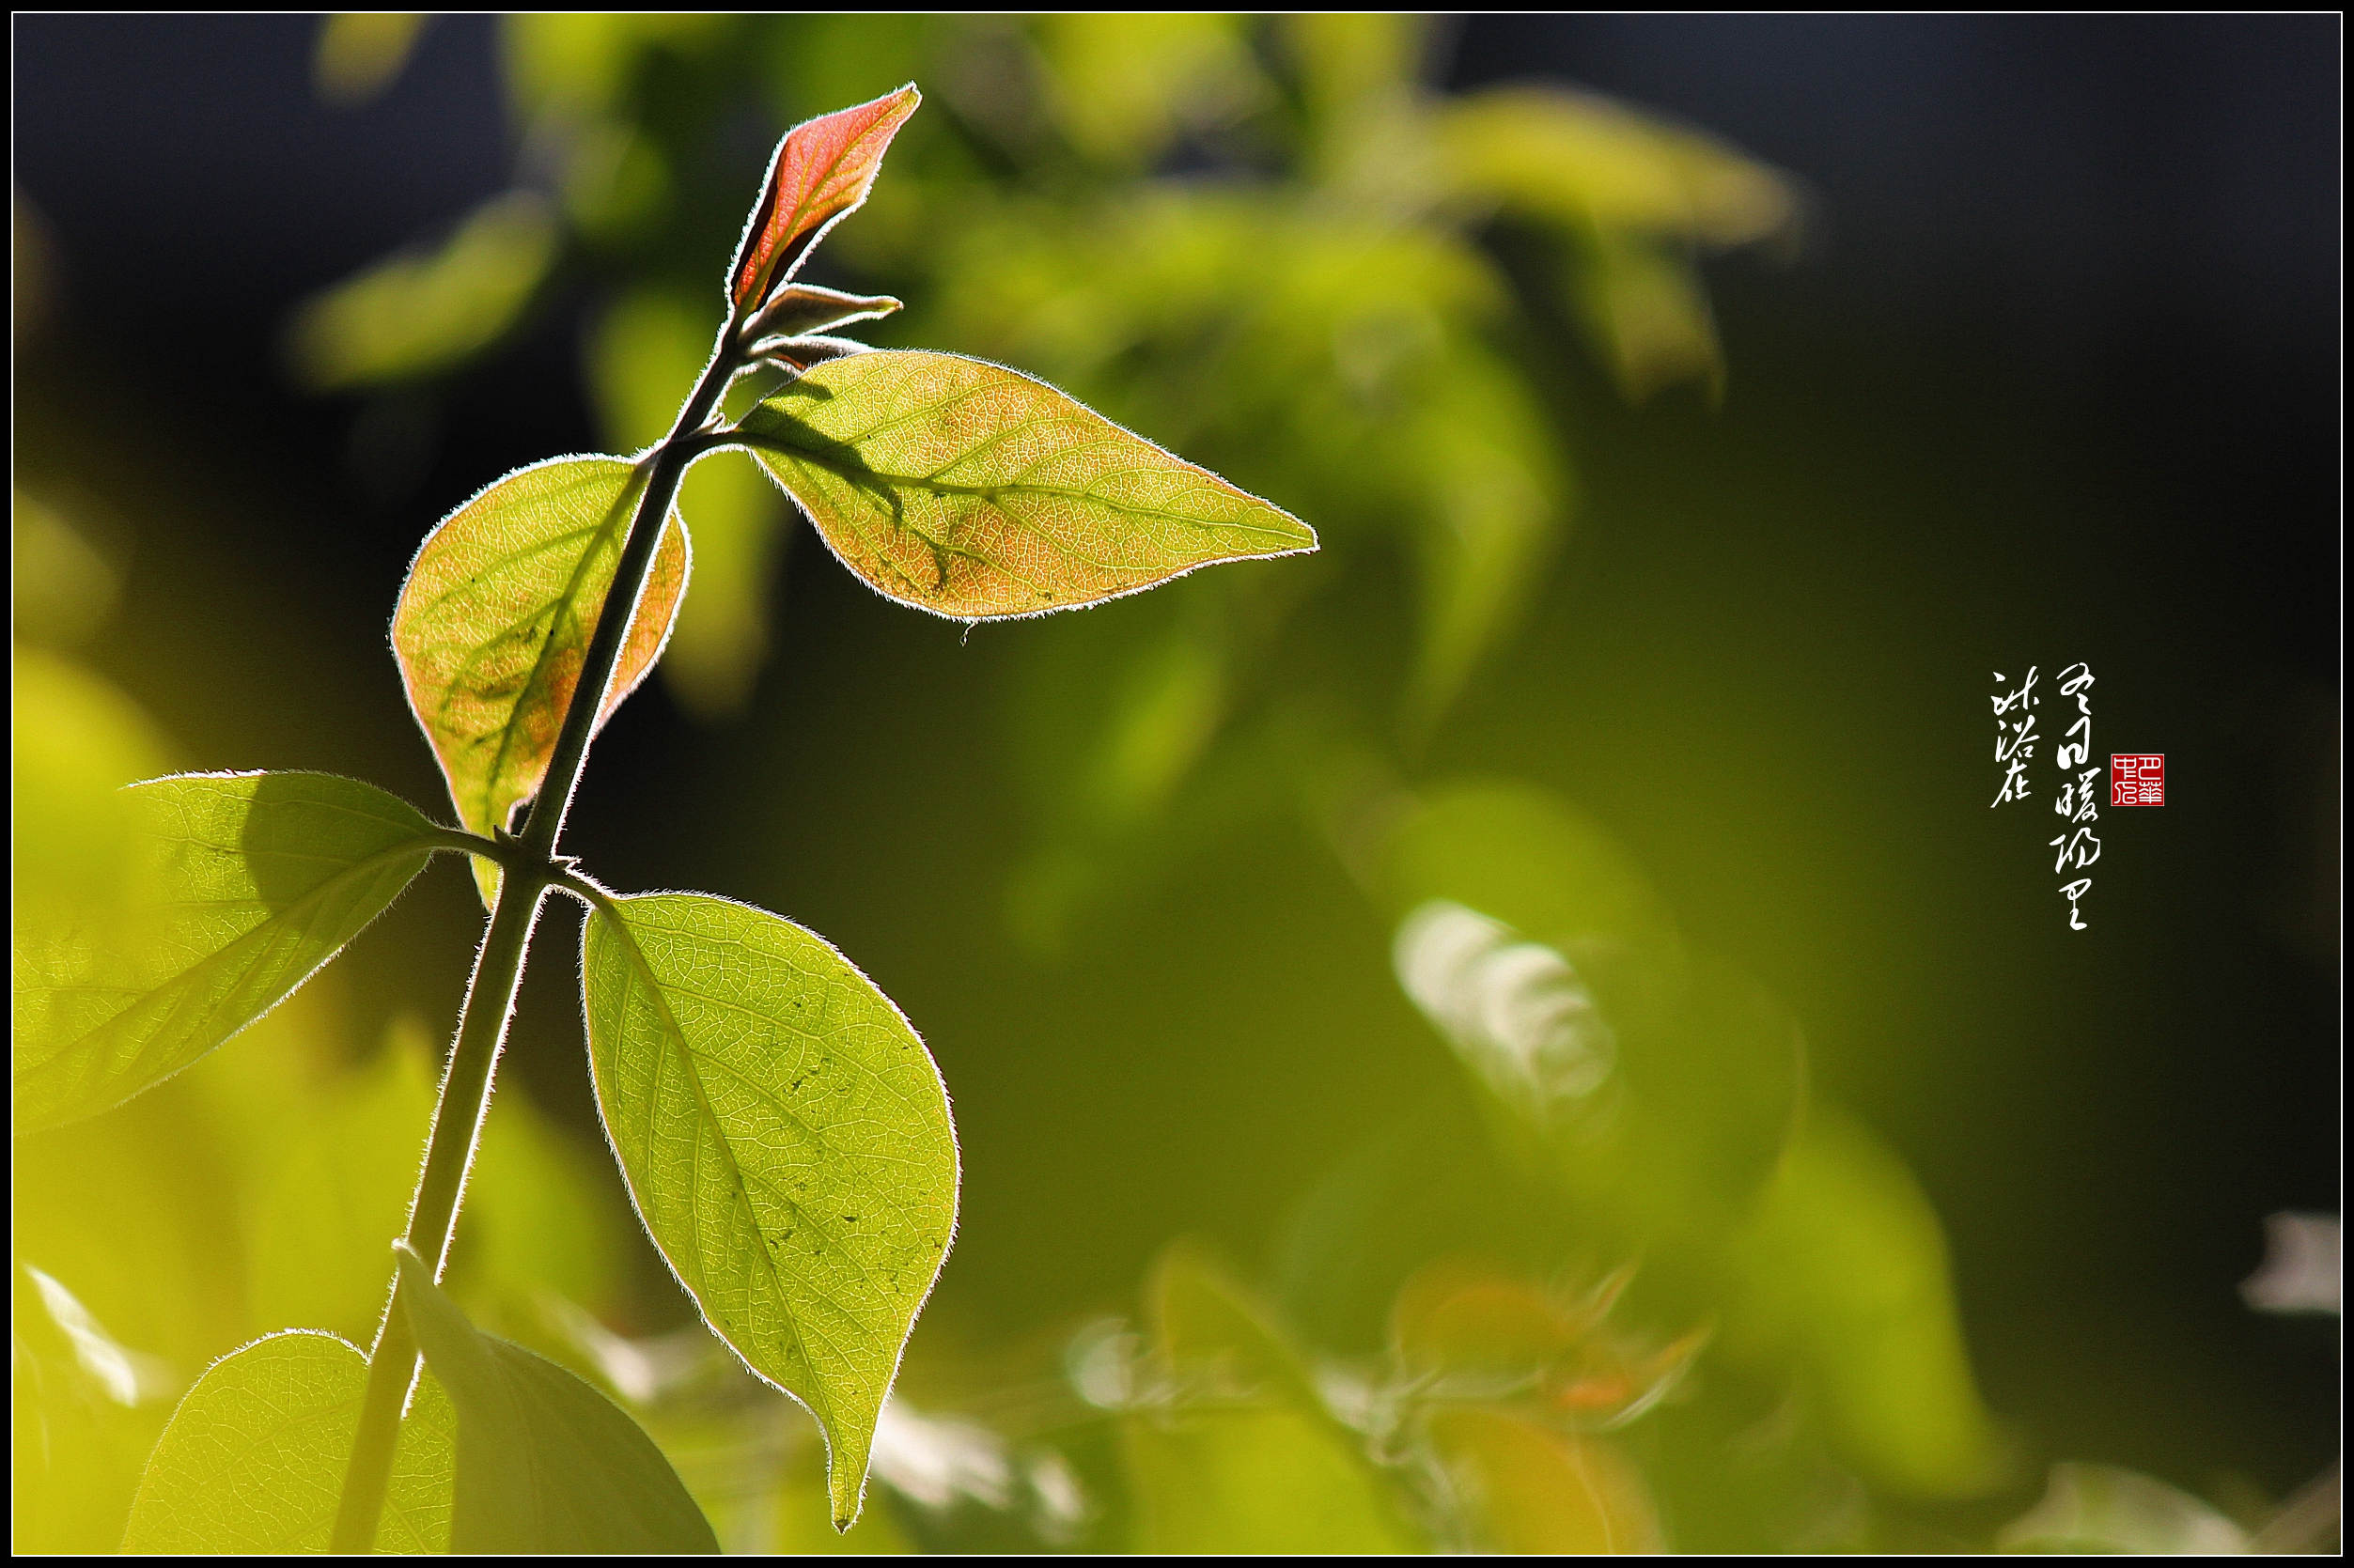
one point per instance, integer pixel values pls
(676, 1037)
(244, 943)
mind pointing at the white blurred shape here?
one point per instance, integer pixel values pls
(2300, 1273)
(1102, 1364)
(2100, 1508)
(1516, 1010)
(1062, 1503)
(128, 1376)
(934, 1461)
(641, 1370)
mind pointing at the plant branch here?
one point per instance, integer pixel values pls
(531, 866)
(546, 822)
(459, 1113)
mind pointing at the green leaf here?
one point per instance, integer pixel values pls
(786, 1140)
(332, 1189)
(1247, 1459)
(970, 490)
(494, 622)
(1843, 1272)
(241, 885)
(1488, 473)
(1266, 1480)
(1125, 85)
(1215, 1337)
(77, 740)
(253, 1458)
(417, 314)
(1644, 303)
(361, 52)
(802, 308)
(1587, 163)
(545, 1463)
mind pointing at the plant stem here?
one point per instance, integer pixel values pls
(526, 873)
(464, 1099)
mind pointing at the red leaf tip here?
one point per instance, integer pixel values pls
(824, 169)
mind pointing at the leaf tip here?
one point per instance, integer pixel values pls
(1294, 537)
(822, 171)
(849, 1495)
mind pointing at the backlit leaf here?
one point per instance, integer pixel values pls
(545, 1463)
(1246, 1459)
(1215, 1338)
(331, 1190)
(802, 308)
(361, 52)
(1583, 160)
(240, 885)
(824, 169)
(76, 740)
(253, 1458)
(1125, 85)
(1527, 1488)
(1845, 1272)
(1644, 305)
(419, 312)
(1270, 1479)
(972, 491)
(1459, 1317)
(494, 622)
(786, 1140)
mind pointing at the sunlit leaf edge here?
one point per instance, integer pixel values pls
(753, 446)
(196, 1383)
(619, 688)
(607, 905)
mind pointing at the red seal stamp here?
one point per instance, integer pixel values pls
(2137, 779)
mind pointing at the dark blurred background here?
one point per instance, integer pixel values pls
(2051, 373)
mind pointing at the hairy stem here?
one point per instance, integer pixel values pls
(629, 584)
(527, 873)
(459, 1113)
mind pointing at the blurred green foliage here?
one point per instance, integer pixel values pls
(1267, 244)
